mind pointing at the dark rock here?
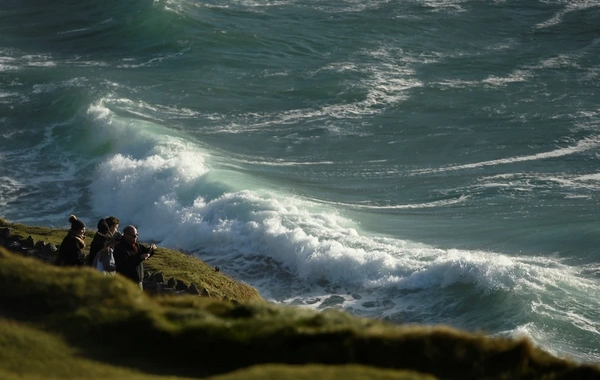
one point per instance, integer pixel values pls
(332, 301)
(13, 246)
(181, 285)
(193, 289)
(4, 233)
(31, 252)
(158, 277)
(16, 238)
(27, 242)
(47, 252)
(172, 282)
(152, 286)
(217, 269)
(205, 292)
(49, 248)
(40, 244)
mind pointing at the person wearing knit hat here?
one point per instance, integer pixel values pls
(70, 252)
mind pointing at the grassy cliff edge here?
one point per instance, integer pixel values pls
(75, 323)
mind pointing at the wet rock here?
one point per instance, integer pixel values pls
(332, 301)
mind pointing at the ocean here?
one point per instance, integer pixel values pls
(417, 161)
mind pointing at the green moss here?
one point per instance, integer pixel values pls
(170, 262)
(192, 270)
(321, 372)
(72, 323)
(30, 353)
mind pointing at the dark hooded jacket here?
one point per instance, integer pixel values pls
(100, 238)
(70, 251)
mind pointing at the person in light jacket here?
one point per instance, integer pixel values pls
(107, 228)
(105, 260)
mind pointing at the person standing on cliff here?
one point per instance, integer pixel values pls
(70, 252)
(105, 259)
(130, 256)
(107, 228)
(113, 226)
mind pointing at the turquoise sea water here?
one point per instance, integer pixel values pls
(427, 162)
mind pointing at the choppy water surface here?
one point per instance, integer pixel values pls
(420, 161)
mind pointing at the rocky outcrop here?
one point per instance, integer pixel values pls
(27, 247)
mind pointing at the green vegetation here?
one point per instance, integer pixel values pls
(169, 262)
(75, 323)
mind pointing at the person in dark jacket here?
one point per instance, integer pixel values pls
(107, 228)
(130, 255)
(100, 238)
(70, 252)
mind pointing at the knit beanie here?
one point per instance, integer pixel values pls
(102, 226)
(76, 224)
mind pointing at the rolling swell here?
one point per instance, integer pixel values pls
(425, 162)
(89, 30)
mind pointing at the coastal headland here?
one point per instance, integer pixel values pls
(198, 323)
